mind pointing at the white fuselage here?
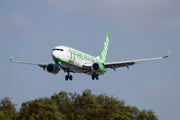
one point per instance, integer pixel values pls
(73, 59)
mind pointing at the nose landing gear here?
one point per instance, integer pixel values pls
(68, 76)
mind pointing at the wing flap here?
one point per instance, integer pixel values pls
(113, 65)
(117, 64)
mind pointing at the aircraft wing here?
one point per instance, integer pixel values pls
(114, 65)
(43, 65)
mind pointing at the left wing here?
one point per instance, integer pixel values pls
(114, 65)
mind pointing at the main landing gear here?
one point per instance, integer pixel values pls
(95, 76)
(68, 76)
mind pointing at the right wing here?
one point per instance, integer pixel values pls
(43, 65)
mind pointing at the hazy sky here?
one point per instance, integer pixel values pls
(138, 29)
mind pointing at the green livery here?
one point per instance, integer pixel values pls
(104, 54)
(71, 60)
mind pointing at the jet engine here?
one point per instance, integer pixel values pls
(52, 68)
(97, 67)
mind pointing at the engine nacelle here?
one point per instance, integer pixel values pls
(97, 67)
(52, 68)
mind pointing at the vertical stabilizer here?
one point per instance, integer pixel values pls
(104, 54)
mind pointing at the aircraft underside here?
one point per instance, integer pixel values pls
(74, 69)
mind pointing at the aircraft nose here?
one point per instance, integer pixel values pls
(53, 54)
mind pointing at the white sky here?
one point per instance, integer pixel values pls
(138, 29)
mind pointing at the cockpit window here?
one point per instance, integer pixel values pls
(58, 49)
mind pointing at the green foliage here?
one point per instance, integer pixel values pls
(40, 109)
(73, 106)
(7, 109)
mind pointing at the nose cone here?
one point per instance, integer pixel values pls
(54, 54)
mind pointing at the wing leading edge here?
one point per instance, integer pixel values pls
(114, 65)
(43, 65)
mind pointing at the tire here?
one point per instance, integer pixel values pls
(66, 77)
(70, 77)
(97, 77)
(93, 77)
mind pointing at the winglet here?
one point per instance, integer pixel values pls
(168, 53)
(11, 56)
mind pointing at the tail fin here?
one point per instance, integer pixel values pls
(104, 54)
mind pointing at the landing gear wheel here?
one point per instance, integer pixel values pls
(93, 77)
(97, 77)
(70, 77)
(66, 77)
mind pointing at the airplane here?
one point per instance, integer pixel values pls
(71, 60)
